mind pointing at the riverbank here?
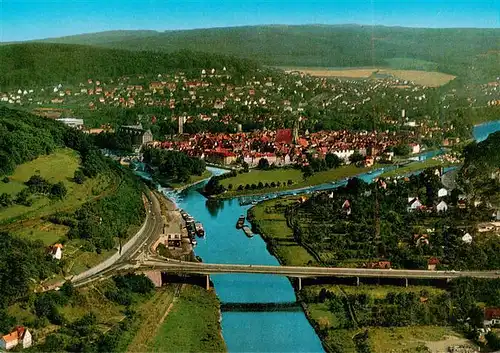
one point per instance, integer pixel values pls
(180, 318)
(284, 179)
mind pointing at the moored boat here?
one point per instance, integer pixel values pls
(240, 222)
(199, 229)
(248, 231)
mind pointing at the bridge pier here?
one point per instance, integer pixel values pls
(300, 283)
(208, 282)
(357, 281)
(406, 281)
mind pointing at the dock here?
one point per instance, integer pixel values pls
(248, 231)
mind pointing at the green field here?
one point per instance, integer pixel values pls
(410, 339)
(271, 221)
(58, 166)
(415, 166)
(192, 325)
(283, 175)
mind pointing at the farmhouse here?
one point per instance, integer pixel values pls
(20, 335)
(491, 316)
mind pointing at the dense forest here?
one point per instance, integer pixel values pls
(173, 166)
(470, 53)
(480, 173)
(48, 64)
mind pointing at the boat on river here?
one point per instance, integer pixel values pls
(240, 222)
(248, 231)
(199, 229)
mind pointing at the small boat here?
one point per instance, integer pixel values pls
(241, 222)
(199, 229)
(194, 242)
(248, 231)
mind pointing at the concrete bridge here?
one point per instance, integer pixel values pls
(153, 265)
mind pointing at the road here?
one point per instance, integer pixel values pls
(174, 266)
(132, 250)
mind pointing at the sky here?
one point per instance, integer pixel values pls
(36, 19)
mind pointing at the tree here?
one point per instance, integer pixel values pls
(6, 180)
(58, 190)
(260, 185)
(245, 167)
(307, 171)
(333, 161)
(402, 150)
(79, 176)
(356, 157)
(5, 200)
(230, 186)
(263, 164)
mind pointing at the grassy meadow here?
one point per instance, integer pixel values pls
(58, 166)
(271, 221)
(192, 325)
(282, 175)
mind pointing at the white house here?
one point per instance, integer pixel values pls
(414, 203)
(442, 207)
(57, 251)
(415, 148)
(467, 238)
(20, 335)
(442, 192)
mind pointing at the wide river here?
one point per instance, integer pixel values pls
(250, 331)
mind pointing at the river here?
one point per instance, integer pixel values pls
(272, 331)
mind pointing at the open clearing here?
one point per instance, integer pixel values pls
(58, 166)
(425, 78)
(192, 325)
(408, 339)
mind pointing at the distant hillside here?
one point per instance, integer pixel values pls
(471, 53)
(45, 63)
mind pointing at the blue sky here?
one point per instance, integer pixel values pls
(33, 19)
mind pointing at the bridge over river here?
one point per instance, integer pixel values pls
(153, 264)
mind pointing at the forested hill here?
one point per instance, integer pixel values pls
(480, 174)
(471, 53)
(45, 63)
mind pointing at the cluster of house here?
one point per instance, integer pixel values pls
(432, 263)
(20, 337)
(284, 147)
(214, 93)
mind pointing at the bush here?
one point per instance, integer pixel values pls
(58, 190)
(6, 180)
(79, 176)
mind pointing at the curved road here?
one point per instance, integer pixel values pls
(132, 250)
